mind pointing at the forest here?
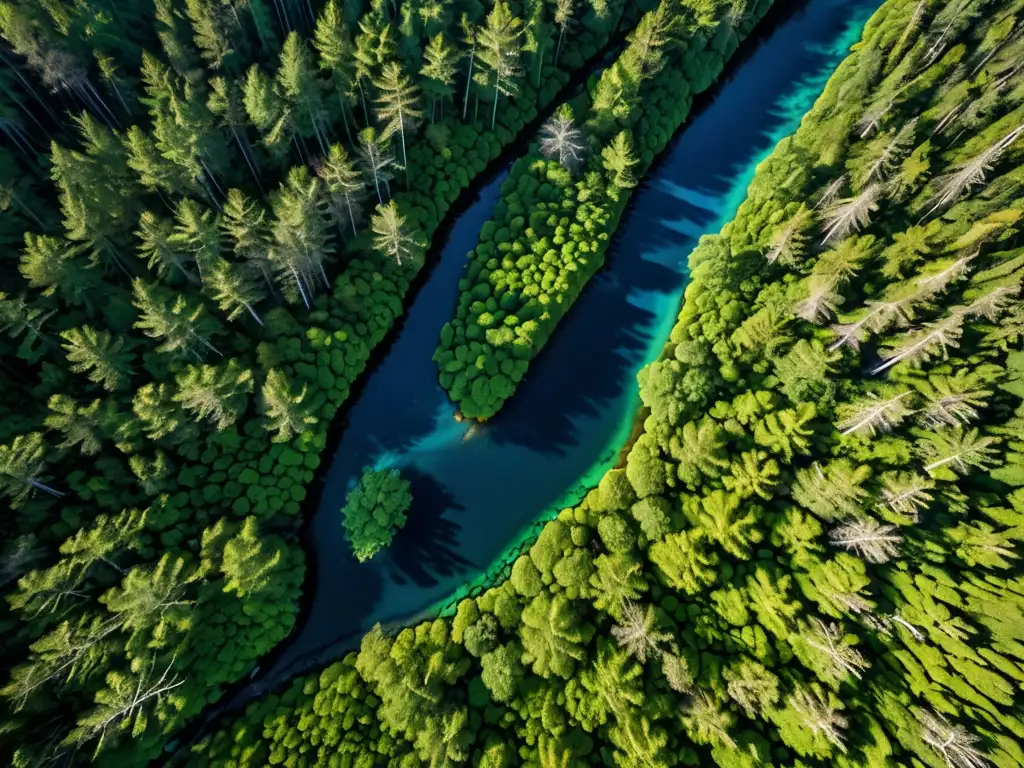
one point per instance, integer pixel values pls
(213, 213)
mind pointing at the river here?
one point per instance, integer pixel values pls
(480, 490)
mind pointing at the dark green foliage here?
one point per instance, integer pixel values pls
(374, 510)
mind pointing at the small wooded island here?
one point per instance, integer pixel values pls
(375, 510)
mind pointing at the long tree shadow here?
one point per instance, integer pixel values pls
(608, 331)
(425, 551)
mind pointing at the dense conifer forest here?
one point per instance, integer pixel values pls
(212, 212)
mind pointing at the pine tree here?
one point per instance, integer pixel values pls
(55, 266)
(226, 104)
(249, 560)
(268, 112)
(565, 10)
(500, 43)
(302, 90)
(619, 160)
(391, 235)
(234, 291)
(161, 249)
(210, 28)
(83, 426)
(302, 236)
(181, 325)
(439, 68)
(196, 231)
(23, 469)
(344, 186)
(397, 106)
(333, 42)
(215, 393)
(244, 223)
(376, 159)
(287, 414)
(100, 355)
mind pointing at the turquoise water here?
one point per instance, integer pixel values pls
(479, 491)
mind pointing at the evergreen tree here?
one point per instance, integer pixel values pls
(391, 235)
(226, 104)
(376, 159)
(99, 354)
(500, 45)
(302, 237)
(397, 106)
(619, 160)
(215, 393)
(287, 414)
(23, 468)
(162, 250)
(344, 187)
(244, 223)
(301, 90)
(181, 325)
(440, 65)
(234, 290)
(333, 42)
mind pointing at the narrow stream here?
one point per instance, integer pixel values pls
(479, 490)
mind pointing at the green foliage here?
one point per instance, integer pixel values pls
(374, 510)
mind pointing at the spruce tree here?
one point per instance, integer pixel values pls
(344, 186)
(100, 355)
(500, 41)
(398, 106)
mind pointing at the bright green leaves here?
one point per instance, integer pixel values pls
(374, 510)
(554, 636)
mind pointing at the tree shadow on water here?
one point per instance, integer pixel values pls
(426, 549)
(593, 356)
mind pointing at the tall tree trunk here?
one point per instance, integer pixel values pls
(351, 215)
(469, 80)
(344, 116)
(405, 157)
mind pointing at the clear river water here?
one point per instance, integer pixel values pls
(480, 491)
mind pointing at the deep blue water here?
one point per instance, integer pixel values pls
(477, 490)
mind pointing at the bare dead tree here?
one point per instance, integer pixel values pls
(830, 193)
(123, 702)
(820, 717)
(822, 300)
(638, 632)
(851, 214)
(874, 414)
(562, 140)
(972, 173)
(954, 742)
(677, 673)
(871, 540)
(881, 316)
(929, 285)
(934, 338)
(839, 658)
